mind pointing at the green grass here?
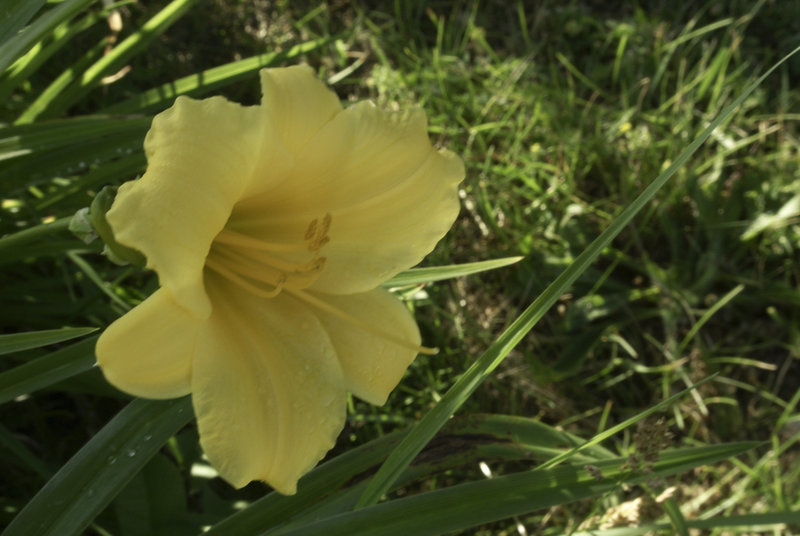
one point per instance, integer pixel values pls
(562, 114)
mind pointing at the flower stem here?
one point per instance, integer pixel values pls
(33, 235)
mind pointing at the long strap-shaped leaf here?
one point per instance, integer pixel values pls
(777, 520)
(24, 40)
(209, 80)
(467, 505)
(27, 64)
(115, 59)
(415, 276)
(46, 137)
(47, 370)
(92, 478)
(521, 437)
(14, 16)
(17, 342)
(427, 427)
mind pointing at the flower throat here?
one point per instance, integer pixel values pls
(259, 268)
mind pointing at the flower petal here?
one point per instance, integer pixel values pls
(390, 194)
(267, 389)
(369, 245)
(372, 365)
(297, 103)
(148, 352)
(201, 159)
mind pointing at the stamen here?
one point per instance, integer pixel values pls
(220, 269)
(318, 243)
(263, 259)
(312, 229)
(318, 264)
(328, 308)
(232, 238)
(326, 224)
(251, 263)
(317, 235)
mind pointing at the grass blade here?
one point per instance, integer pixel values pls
(467, 505)
(61, 83)
(719, 304)
(47, 370)
(209, 80)
(20, 451)
(19, 245)
(417, 276)
(676, 517)
(27, 38)
(17, 342)
(16, 14)
(19, 141)
(605, 434)
(108, 173)
(26, 65)
(752, 522)
(522, 437)
(91, 77)
(92, 478)
(427, 427)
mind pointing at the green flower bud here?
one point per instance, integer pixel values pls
(81, 226)
(116, 252)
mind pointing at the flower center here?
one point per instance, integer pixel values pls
(265, 268)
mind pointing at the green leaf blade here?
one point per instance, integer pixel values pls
(17, 342)
(92, 478)
(467, 505)
(28, 37)
(58, 103)
(209, 80)
(47, 370)
(416, 276)
(15, 15)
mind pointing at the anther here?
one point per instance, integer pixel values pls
(318, 234)
(318, 264)
(312, 229)
(318, 243)
(326, 223)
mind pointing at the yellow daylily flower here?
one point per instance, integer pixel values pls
(271, 228)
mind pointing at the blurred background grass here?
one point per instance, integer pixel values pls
(562, 112)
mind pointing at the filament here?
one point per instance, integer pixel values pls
(328, 308)
(249, 287)
(232, 238)
(251, 262)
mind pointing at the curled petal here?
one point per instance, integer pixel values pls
(267, 389)
(201, 159)
(370, 244)
(148, 352)
(297, 103)
(390, 194)
(372, 365)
